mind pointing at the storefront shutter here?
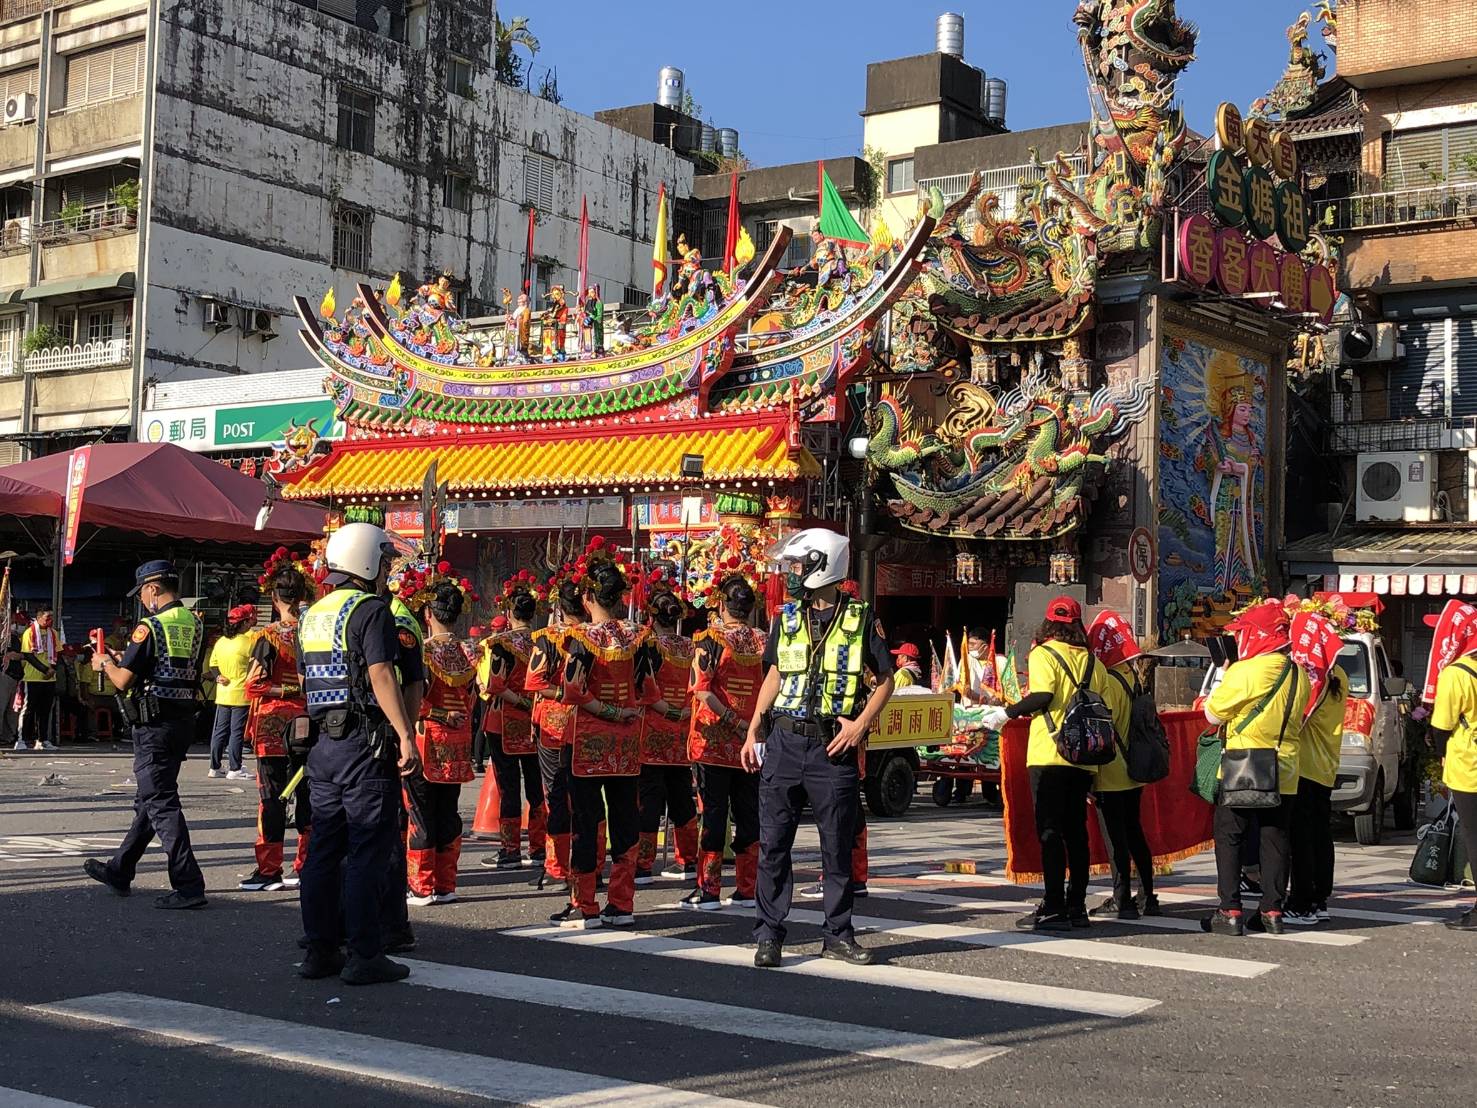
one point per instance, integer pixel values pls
(1415, 159)
(1464, 367)
(1418, 380)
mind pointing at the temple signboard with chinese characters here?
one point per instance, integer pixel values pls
(1251, 245)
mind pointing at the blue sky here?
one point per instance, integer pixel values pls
(791, 76)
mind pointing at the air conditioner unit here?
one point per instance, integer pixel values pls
(1365, 342)
(217, 313)
(17, 231)
(1396, 486)
(255, 321)
(20, 108)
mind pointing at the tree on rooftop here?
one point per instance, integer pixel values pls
(508, 66)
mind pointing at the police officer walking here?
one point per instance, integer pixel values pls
(818, 650)
(362, 741)
(159, 674)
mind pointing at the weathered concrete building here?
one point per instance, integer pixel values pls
(173, 172)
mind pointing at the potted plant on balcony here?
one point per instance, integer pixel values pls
(125, 196)
(71, 215)
(41, 338)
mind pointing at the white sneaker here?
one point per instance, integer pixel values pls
(812, 892)
(444, 898)
(736, 901)
(238, 775)
(216, 773)
(1300, 919)
(39, 745)
(418, 901)
(1323, 913)
(291, 881)
(19, 744)
(52, 746)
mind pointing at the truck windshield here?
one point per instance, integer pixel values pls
(1355, 660)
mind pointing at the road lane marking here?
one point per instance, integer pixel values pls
(846, 1038)
(362, 1056)
(1112, 1005)
(1036, 942)
(19, 1098)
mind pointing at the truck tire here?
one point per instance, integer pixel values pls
(1406, 798)
(890, 789)
(1369, 827)
(943, 792)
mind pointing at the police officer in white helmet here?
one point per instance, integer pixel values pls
(813, 714)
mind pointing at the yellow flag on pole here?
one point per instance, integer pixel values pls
(659, 257)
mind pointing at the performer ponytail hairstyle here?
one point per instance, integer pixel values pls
(523, 606)
(605, 584)
(446, 602)
(287, 586)
(569, 600)
(738, 596)
(666, 609)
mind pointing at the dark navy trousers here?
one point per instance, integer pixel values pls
(795, 770)
(158, 751)
(356, 819)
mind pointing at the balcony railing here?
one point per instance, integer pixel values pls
(87, 355)
(1003, 181)
(1403, 207)
(113, 219)
(1458, 433)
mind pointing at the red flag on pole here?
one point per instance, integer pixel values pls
(730, 240)
(584, 267)
(528, 253)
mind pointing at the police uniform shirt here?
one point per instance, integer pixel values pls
(876, 658)
(408, 659)
(141, 655)
(373, 637)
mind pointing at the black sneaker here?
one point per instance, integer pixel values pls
(611, 916)
(1467, 921)
(700, 901)
(259, 882)
(1223, 923)
(675, 872)
(321, 962)
(99, 871)
(568, 912)
(504, 859)
(1111, 909)
(859, 892)
(644, 877)
(1148, 905)
(1249, 887)
(1078, 916)
(1266, 923)
(373, 971)
(177, 900)
(813, 892)
(1040, 920)
(401, 942)
(847, 950)
(478, 768)
(534, 861)
(767, 954)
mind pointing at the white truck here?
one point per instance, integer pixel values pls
(1376, 772)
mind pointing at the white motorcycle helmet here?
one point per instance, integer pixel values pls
(356, 550)
(824, 556)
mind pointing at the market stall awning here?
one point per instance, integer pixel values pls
(1406, 561)
(588, 456)
(22, 498)
(162, 489)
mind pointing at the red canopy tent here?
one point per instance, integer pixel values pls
(21, 498)
(162, 489)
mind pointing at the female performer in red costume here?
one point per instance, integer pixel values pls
(434, 842)
(502, 675)
(725, 684)
(605, 755)
(553, 720)
(275, 695)
(664, 678)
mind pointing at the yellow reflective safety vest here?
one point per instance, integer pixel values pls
(323, 639)
(837, 665)
(178, 635)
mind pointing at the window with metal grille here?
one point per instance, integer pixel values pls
(632, 297)
(764, 235)
(798, 253)
(900, 175)
(458, 76)
(351, 230)
(456, 192)
(1431, 156)
(356, 120)
(538, 181)
(105, 74)
(715, 231)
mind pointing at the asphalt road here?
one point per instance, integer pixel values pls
(108, 1002)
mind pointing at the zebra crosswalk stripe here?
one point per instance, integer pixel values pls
(903, 1046)
(347, 1052)
(1054, 997)
(19, 1098)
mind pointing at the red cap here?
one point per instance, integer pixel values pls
(907, 650)
(499, 623)
(1064, 610)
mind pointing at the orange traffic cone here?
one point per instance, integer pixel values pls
(485, 823)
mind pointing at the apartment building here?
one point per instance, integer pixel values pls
(173, 172)
(1394, 139)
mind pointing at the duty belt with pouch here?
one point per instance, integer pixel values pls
(139, 709)
(812, 728)
(338, 724)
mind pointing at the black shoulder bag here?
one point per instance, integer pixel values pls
(1250, 776)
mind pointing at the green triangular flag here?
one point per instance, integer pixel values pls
(836, 222)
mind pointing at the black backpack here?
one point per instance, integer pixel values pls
(1086, 736)
(1146, 753)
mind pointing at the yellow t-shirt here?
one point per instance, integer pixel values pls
(233, 658)
(1237, 696)
(1323, 734)
(1455, 710)
(1045, 674)
(1113, 777)
(30, 644)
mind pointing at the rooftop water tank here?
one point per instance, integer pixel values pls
(949, 34)
(708, 139)
(728, 146)
(669, 87)
(995, 100)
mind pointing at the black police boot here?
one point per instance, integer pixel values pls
(373, 971)
(99, 871)
(1467, 921)
(178, 900)
(401, 941)
(847, 950)
(767, 954)
(320, 962)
